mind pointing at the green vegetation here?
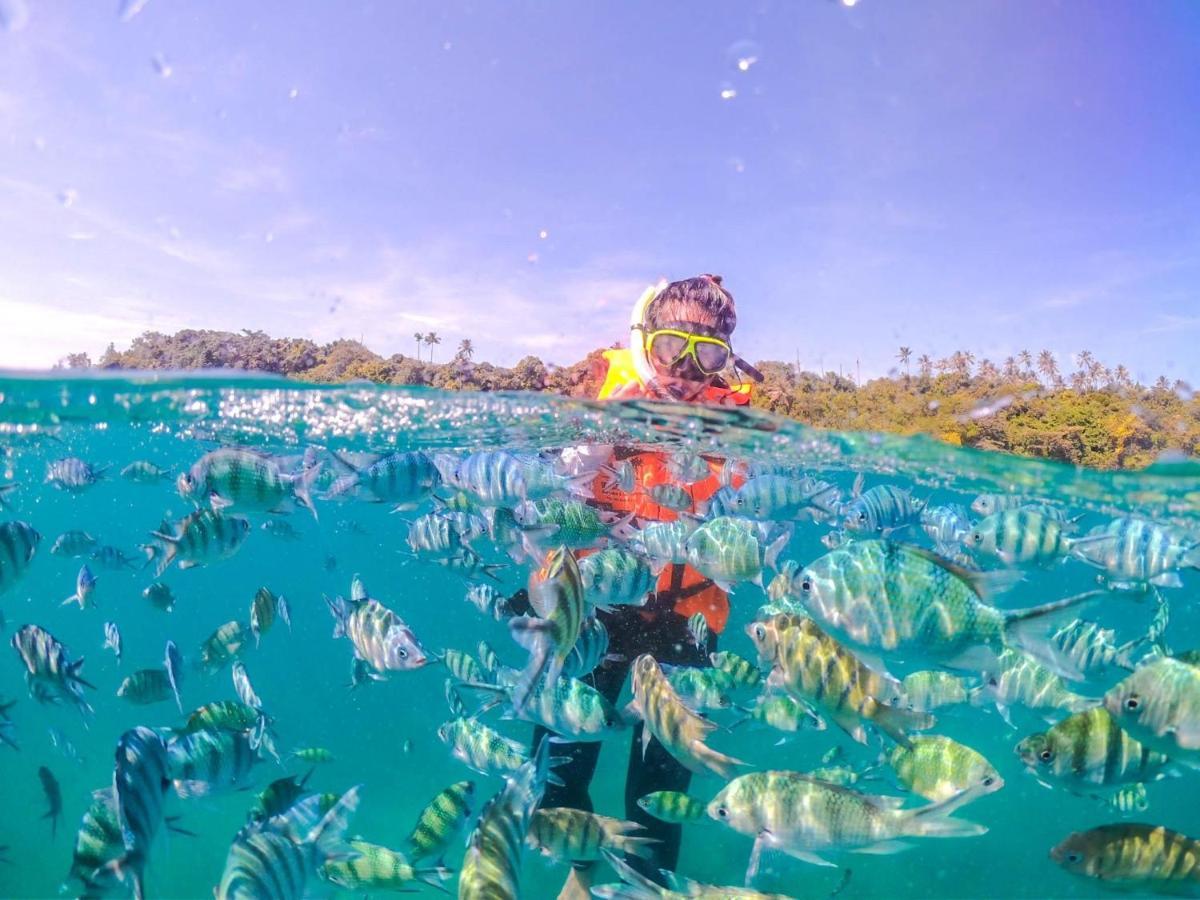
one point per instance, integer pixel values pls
(1091, 416)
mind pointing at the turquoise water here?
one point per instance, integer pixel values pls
(383, 735)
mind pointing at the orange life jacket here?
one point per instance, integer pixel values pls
(687, 590)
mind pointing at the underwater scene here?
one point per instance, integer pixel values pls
(269, 639)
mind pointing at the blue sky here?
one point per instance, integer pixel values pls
(989, 176)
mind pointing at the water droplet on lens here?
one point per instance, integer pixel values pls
(737, 164)
(161, 66)
(130, 8)
(543, 234)
(849, 3)
(68, 197)
(531, 258)
(293, 93)
(14, 15)
(728, 91)
(744, 54)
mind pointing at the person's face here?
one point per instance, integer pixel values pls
(671, 359)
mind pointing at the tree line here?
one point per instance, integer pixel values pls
(1091, 415)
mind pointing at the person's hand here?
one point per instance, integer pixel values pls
(578, 885)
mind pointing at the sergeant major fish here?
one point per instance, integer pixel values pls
(233, 476)
(379, 636)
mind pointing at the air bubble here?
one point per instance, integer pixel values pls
(543, 234)
(67, 198)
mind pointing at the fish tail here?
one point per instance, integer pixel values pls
(337, 609)
(637, 886)
(632, 845)
(130, 865)
(5, 490)
(302, 488)
(530, 633)
(434, 877)
(896, 722)
(716, 762)
(328, 835)
(1025, 629)
(935, 819)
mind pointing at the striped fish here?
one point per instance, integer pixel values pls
(666, 717)
(210, 761)
(243, 688)
(146, 686)
(73, 474)
(229, 715)
(574, 835)
(615, 577)
(556, 594)
(1025, 536)
(461, 665)
(504, 478)
(492, 865)
(781, 497)
(743, 672)
(931, 689)
(398, 478)
(234, 476)
(636, 886)
(18, 543)
(990, 504)
(482, 749)
(378, 635)
(50, 674)
(881, 509)
(783, 712)
(1020, 680)
(142, 471)
(730, 549)
(140, 781)
(222, 645)
(281, 862)
(590, 650)
(372, 867)
(198, 539)
(1092, 648)
(1090, 750)
(939, 768)
(263, 609)
(1138, 553)
(665, 542)
(816, 669)
(72, 543)
(1128, 800)
(672, 806)
(440, 822)
(1128, 855)
(567, 706)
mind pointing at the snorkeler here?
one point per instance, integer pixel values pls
(679, 350)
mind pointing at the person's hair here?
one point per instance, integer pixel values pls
(701, 300)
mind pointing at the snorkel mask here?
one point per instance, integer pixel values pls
(698, 352)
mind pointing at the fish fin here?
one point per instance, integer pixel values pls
(884, 848)
(1022, 626)
(807, 856)
(985, 584)
(73, 599)
(631, 712)
(856, 489)
(934, 820)
(217, 502)
(895, 721)
(646, 738)
(1167, 579)
(302, 488)
(434, 877)
(530, 633)
(635, 846)
(328, 835)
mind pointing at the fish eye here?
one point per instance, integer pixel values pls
(806, 585)
(862, 517)
(403, 653)
(992, 681)
(722, 812)
(760, 633)
(1046, 755)
(1074, 856)
(1133, 702)
(977, 538)
(988, 781)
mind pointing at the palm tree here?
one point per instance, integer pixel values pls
(1047, 365)
(1122, 377)
(925, 365)
(988, 371)
(431, 339)
(1026, 359)
(1011, 372)
(904, 356)
(420, 337)
(466, 349)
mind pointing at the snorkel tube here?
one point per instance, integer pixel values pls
(637, 334)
